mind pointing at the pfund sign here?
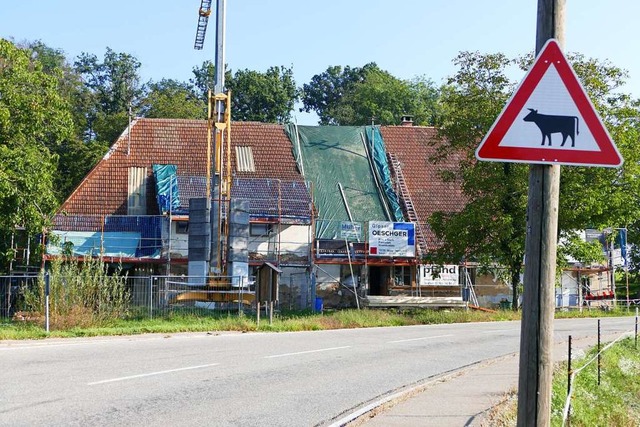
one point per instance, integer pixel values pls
(438, 275)
(392, 239)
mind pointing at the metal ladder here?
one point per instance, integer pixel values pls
(473, 298)
(405, 196)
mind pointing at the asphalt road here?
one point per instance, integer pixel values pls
(233, 379)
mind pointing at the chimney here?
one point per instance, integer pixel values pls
(406, 120)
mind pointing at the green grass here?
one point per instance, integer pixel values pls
(594, 312)
(282, 322)
(615, 402)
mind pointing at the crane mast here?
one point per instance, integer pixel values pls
(218, 126)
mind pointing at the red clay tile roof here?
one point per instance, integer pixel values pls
(411, 146)
(180, 142)
(183, 143)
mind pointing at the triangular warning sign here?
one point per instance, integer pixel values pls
(550, 120)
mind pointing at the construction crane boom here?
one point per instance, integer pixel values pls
(203, 19)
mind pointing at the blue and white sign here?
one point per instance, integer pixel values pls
(350, 230)
(392, 239)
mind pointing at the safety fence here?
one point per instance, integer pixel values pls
(188, 294)
(137, 297)
(10, 292)
(597, 358)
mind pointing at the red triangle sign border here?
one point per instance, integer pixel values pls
(491, 150)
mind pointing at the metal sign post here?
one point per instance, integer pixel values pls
(46, 301)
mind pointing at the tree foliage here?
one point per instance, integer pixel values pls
(34, 121)
(75, 156)
(204, 78)
(605, 197)
(114, 85)
(326, 90)
(263, 97)
(171, 99)
(490, 227)
(356, 96)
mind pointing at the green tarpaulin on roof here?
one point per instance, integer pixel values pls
(336, 156)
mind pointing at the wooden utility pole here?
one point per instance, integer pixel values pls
(536, 337)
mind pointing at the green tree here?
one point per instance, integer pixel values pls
(255, 96)
(491, 227)
(605, 197)
(172, 99)
(323, 94)
(75, 156)
(263, 97)
(386, 99)
(204, 78)
(355, 96)
(34, 121)
(114, 85)
(572, 246)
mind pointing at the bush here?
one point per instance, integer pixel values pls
(81, 293)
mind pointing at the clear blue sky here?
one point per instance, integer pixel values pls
(407, 38)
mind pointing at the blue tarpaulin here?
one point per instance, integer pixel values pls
(87, 243)
(166, 187)
(113, 235)
(379, 155)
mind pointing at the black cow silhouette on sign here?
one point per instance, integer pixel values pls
(566, 125)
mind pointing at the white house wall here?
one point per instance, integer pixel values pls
(179, 242)
(568, 293)
(294, 239)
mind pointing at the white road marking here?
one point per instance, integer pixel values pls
(28, 346)
(306, 352)
(419, 339)
(131, 377)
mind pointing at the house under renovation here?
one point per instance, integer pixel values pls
(309, 193)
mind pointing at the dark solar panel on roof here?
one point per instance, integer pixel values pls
(274, 198)
(190, 187)
(262, 193)
(77, 222)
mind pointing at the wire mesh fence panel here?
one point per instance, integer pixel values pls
(11, 293)
(199, 295)
(140, 291)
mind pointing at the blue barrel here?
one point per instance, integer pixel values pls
(318, 306)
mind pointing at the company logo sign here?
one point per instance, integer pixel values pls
(392, 239)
